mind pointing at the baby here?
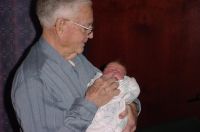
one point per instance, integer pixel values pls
(107, 117)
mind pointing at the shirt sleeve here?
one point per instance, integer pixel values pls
(29, 100)
(138, 105)
(79, 116)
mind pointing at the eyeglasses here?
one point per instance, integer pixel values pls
(88, 30)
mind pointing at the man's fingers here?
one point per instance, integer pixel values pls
(123, 114)
(116, 92)
(109, 83)
(132, 120)
(107, 76)
(103, 90)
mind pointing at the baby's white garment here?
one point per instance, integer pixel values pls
(107, 117)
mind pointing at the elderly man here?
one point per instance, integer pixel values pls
(50, 91)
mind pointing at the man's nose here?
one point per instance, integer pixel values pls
(90, 36)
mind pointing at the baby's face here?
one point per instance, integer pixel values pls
(116, 69)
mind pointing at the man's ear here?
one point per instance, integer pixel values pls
(59, 26)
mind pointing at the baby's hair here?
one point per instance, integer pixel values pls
(118, 61)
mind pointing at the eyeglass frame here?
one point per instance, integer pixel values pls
(89, 30)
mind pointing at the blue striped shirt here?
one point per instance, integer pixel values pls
(48, 92)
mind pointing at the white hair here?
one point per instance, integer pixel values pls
(49, 10)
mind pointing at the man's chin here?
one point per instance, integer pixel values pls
(80, 51)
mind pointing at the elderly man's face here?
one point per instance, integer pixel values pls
(77, 33)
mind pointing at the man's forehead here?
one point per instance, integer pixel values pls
(85, 13)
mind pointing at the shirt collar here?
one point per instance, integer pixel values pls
(52, 53)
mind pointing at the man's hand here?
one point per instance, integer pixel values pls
(131, 112)
(103, 90)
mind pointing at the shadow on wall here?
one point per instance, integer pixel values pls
(184, 125)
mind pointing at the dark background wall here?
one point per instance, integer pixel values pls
(157, 40)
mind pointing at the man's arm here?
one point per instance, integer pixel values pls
(31, 104)
(132, 111)
(79, 116)
(132, 118)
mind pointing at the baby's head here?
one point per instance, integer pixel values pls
(115, 68)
